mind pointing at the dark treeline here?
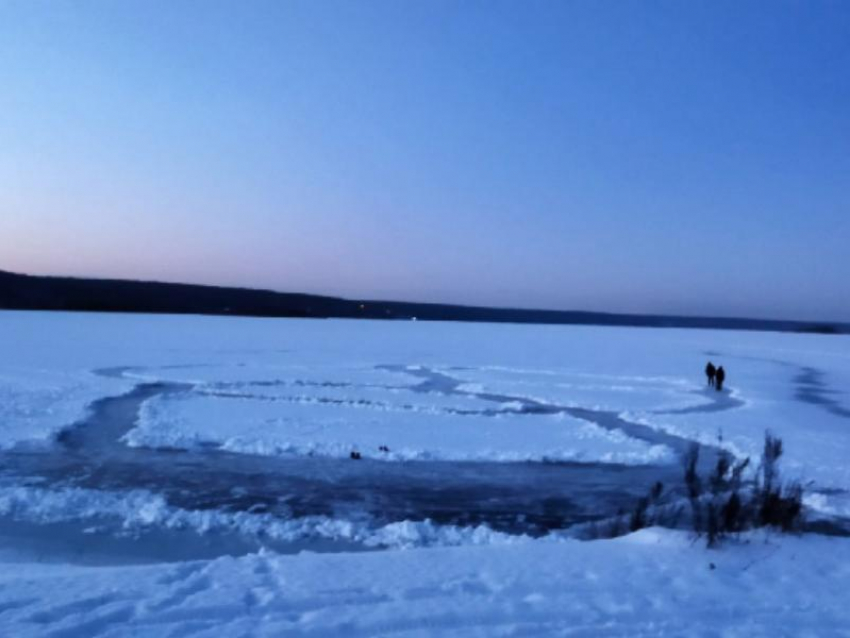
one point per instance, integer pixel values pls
(26, 292)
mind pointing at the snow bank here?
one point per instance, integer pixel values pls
(137, 509)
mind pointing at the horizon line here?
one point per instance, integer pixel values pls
(802, 322)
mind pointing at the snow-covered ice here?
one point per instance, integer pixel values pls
(248, 396)
(314, 427)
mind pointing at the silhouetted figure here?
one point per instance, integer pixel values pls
(355, 456)
(710, 372)
(720, 376)
(383, 448)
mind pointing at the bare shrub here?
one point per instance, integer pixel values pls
(728, 505)
(730, 509)
(693, 485)
(641, 516)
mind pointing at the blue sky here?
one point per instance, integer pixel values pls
(669, 157)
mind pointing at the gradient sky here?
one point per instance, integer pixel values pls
(669, 157)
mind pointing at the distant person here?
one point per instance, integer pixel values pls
(720, 376)
(710, 372)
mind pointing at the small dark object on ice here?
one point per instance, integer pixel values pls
(355, 456)
(383, 448)
(711, 566)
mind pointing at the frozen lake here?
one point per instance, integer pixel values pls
(153, 441)
(245, 428)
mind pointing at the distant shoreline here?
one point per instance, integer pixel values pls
(28, 292)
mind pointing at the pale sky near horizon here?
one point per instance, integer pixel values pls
(658, 156)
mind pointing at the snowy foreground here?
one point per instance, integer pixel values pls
(175, 476)
(647, 584)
